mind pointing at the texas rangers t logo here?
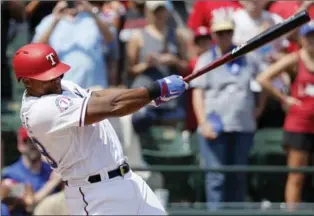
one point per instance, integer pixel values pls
(50, 58)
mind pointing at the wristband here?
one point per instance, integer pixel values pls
(154, 90)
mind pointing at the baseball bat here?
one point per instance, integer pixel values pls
(261, 39)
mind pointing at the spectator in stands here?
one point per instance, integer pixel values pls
(203, 11)
(224, 106)
(29, 173)
(156, 51)
(76, 30)
(10, 10)
(299, 124)
(272, 114)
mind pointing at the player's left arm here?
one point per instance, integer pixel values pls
(63, 112)
(120, 102)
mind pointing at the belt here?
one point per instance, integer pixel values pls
(120, 171)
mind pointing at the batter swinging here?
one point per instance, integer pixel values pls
(68, 125)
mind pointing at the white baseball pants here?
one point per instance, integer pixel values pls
(128, 195)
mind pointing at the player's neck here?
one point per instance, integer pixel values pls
(32, 93)
(34, 167)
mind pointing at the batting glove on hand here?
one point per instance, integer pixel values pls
(171, 87)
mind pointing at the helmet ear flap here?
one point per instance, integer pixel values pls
(26, 83)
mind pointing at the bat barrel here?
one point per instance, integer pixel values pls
(274, 32)
(265, 37)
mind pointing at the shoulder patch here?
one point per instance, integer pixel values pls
(63, 103)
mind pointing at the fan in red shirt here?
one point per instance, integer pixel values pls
(202, 11)
(299, 123)
(202, 42)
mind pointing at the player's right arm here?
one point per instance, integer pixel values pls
(54, 115)
(120, 102)
(115, 103)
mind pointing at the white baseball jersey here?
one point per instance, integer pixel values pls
(56, 125)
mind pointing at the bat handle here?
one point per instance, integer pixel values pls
(216, 63)
(188, 78)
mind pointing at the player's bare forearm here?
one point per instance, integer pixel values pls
(115, 103)
(120, 102)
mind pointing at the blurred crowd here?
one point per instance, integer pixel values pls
(248, 105)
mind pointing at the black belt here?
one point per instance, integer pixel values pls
(120, 171)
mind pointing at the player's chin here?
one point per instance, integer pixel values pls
(55, 89)
(58, 90)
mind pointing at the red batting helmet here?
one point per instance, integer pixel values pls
(38, 61)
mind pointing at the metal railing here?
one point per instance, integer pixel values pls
(264, 208)
(225, 169)
(246, 208)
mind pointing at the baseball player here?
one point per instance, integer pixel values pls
(68, 125)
